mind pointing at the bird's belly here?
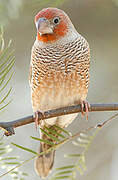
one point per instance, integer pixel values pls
(57, 94)
(51, 101)
(57, 98)
(62, 99)
(62, 121)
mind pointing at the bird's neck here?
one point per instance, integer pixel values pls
(47, 39)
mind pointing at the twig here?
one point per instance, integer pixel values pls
(70, 138)
(8, 127)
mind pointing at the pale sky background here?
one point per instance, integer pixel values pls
(97, 21)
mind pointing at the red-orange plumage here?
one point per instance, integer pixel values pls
(60, 30)
(49, 13)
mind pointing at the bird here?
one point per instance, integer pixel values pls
(59, 75)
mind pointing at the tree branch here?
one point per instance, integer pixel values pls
(8, 127)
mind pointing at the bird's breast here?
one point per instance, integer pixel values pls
(57, 89)
(59, 74)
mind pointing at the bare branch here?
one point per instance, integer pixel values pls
(8, 127)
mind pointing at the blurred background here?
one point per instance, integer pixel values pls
(97, 21)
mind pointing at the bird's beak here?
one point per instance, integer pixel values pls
(43, 26)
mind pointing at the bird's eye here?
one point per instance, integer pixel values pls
(56, 20)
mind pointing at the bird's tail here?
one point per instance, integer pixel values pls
(44, 163)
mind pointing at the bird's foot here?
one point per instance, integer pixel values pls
(36, 117)
(85, 108)
(9, 131)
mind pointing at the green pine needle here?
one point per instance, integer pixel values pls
(8, 158)
(6, 83)
(1, 101)
(10, 163)
(43, 140)
(24, 174)
(24, 148)
(60, 177)
(5, 105)
(63, 172)
(55, 132)
(7, 59)
(72, 155)
(63, 130)
(65, 167)
(50, 135)
(8, 67)
(4, 53)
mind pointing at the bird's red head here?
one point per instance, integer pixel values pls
(51, 24)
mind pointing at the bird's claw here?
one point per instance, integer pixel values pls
(36, 117)
(9, 131)
(85, 106)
